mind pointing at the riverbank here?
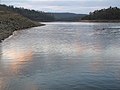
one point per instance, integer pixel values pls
(101, 21)
(10, 22)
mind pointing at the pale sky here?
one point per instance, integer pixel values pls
(74, 6)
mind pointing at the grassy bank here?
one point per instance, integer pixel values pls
(10, 22)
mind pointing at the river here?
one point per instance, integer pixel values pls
(62, 56)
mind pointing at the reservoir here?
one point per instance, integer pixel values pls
(62, 56)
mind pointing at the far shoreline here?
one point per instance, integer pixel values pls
(101, 21)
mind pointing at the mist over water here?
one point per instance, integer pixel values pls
(62, 56)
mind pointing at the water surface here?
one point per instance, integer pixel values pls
(62, 56)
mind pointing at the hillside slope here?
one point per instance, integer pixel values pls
(9, 22)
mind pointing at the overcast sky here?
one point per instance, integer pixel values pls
(74, 6)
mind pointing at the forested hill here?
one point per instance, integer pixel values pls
(31, 14)
(112, 13)
(41, 16)
(68, 16)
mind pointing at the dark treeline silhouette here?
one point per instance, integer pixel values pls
(70, 17)
(111, 13)
(31, 14)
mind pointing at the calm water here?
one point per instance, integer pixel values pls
(62, 56)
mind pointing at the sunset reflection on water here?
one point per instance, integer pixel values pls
(17, 59)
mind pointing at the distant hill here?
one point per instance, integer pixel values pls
(41, 16)
(67, 16)
(112, 13)
(31, 14)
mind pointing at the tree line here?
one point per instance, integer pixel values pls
(111, 13)
(31, 14)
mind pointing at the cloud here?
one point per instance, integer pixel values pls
(77, 6)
